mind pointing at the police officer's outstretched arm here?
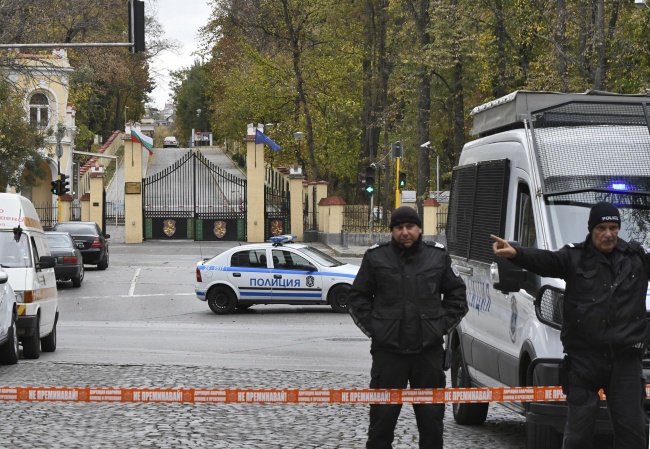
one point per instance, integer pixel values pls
(540, 261)
(361, 296)
(455, 299)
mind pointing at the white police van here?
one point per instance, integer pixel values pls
(279, 272)
(25, 257)
(540, 162)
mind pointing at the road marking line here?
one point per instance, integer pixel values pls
(134, 281)
(135, 296)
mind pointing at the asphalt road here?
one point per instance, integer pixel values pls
(138, 324)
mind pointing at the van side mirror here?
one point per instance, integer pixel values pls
(509, 277)
(46, 262)
(18, 231)
(548, 306)
(4, 277)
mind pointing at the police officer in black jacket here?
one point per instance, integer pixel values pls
(604, 330)
(397, 300)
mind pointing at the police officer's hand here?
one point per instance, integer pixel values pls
(502, 248)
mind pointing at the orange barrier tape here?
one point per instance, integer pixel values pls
(285, 396)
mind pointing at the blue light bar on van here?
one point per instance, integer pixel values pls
(619, 186)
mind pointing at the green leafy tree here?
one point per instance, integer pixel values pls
(19, 143)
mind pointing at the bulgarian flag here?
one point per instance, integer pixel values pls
(146, 141)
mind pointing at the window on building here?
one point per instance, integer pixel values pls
(39, 108)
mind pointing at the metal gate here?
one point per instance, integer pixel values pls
(277, 219)
(194, 199)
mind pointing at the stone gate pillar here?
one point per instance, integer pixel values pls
(295, 192)
(133, 232)
(255, 172)
(96, 210)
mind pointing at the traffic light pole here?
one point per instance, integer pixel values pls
(397, 170)
(59, 210)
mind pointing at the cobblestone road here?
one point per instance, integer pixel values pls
(128, 425)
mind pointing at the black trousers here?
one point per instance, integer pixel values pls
(623, 382)
(422, 370)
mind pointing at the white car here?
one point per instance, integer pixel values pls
(280, 272)
(170, 141)
(8, 331)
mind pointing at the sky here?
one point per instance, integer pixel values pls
(180, 20)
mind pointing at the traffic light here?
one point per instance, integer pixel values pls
(397, 149)
(370, 179)
(55, 187)
(136, 25)
(64, 184)
(402, 180)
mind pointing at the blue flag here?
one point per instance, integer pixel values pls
(260, 137)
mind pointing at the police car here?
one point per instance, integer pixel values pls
(279, 272)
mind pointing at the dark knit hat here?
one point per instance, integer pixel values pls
(404, 214)
(603, 212)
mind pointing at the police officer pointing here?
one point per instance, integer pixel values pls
(604, 329)
(397, 300)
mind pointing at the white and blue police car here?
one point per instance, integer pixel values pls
(279, 272)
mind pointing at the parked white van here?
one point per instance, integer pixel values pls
(540, 162)
(26, 259)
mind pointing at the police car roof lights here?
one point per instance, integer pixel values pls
(278, 240)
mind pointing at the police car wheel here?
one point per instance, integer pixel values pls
(338, 298)
(221, 300)
(465, 414)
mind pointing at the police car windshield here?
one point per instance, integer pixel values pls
(569, 220)
(320, 257)
(12, 254)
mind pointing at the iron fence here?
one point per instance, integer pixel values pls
(310, 212)
(442, 219)
(48, 214)
(115, 211)
(357, 218)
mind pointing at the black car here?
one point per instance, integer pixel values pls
(89, 239)
(69, 261)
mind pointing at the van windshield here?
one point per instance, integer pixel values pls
(14, 254)
(569, 214)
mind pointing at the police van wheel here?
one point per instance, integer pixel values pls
(9, 351)
(338, 298)
(222, 300)
(48, 343)
(32, 344)
(465, 414)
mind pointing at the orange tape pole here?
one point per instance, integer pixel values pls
(285, 396)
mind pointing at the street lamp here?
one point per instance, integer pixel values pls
(198, 128)
(125, 122)
(298, 136)
(427, 145)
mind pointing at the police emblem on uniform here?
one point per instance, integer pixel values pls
(219, 229)
(169, 227)
(310, 281)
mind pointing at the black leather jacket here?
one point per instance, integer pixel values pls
(604, 308)
(397, 296)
